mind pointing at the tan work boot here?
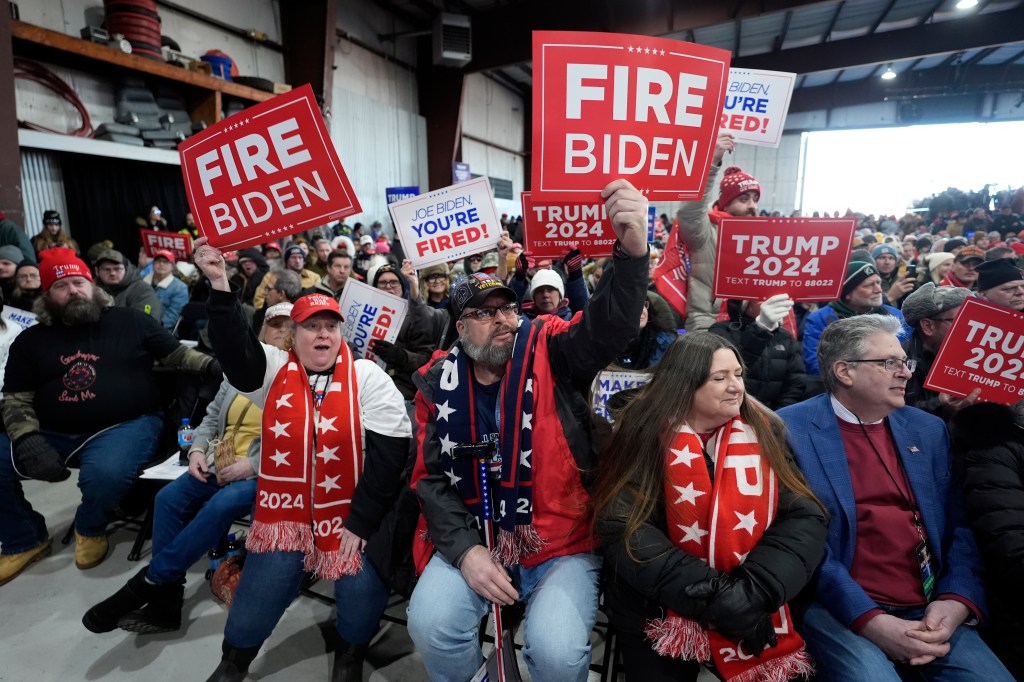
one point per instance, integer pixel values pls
(13, 564)
(89, 552)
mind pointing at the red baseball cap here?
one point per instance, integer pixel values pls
(311, 304)
(164, 253)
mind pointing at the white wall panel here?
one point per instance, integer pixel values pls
(380, 146)
(361, 73)
(365, 21)
(492, 112)
(42, 188)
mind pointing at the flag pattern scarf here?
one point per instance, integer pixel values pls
(310, 464)
(455, 424)
(720, 523)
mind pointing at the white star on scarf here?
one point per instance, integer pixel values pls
(692, 533)
(527, 418)
(747, 522)
(529, 386)
(684, 456)
(326, 425)
(524, 458)
(283, 401)
(741, 557)
(327, 454)
(443, 411)
(446, 445)
(281, 458)
(452, 477)
(280, 430)
(687, 493)
(329, 483)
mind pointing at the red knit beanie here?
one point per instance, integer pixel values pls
(734, 183)
(58, 263)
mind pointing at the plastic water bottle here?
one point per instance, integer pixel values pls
(216, 555)
(184, 441)
(235, 544)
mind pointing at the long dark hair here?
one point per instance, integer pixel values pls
(633, 459)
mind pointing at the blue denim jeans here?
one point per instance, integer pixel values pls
(841, 654)
(271, 580)
(109, 462)
(190, 517)
(561, 609)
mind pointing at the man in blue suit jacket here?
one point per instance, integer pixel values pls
(900, 575)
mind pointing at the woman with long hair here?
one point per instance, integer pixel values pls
(708, 528)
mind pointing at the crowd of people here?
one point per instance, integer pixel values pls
(781, 498)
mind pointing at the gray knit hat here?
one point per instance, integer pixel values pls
(930, 300)
(11, 253)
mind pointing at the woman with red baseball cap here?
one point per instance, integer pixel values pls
(335, 443)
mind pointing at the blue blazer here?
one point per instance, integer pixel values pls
(923, 445)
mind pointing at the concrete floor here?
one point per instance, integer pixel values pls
(42, 638)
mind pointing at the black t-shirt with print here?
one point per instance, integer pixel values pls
(90, 377)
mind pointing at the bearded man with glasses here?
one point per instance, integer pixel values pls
(899, 587)
(513, 393)
(930, 312)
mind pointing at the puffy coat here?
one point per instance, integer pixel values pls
(989, 451)
(782, 563)
(775, 369)
(133, 292)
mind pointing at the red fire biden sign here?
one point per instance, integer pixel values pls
(265, 172)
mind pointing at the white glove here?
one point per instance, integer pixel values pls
(773, 310)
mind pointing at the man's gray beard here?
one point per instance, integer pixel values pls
(492, 355)
(78, 312)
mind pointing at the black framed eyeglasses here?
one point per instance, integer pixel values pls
(890, 364)
(486, 314)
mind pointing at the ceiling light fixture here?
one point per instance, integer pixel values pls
(966, 4)
(888, 74)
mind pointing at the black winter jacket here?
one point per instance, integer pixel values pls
(989, 451)
(775, 366)
(782, 563)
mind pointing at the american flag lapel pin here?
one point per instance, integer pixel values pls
(913, 449)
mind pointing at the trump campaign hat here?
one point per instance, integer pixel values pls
(471, 291)
(60, 262)
(311, 304)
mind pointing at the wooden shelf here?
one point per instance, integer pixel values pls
(34, 139)
(203, 92)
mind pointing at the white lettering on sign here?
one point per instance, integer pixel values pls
(784, 245)
(654, 93)
(252, 152)
(256, 207)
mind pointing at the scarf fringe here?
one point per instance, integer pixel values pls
(679, 638)
(781, 669)
(330, 566)
(514, 547)
(284, 536)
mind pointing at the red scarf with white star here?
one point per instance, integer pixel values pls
(310, 463)
(720, 523)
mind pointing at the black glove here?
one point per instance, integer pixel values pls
(522, 265)
(214, 370)
(388, 352)
(37, 459)
(573, 262)
(738, 609)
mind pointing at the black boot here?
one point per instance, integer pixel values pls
(135, 594)
(234, 665)
(161, 614)
(348, 662)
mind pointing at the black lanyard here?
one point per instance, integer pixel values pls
(907, 497)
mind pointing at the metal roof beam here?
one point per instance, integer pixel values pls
(986, 30)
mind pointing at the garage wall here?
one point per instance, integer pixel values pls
(492, 142)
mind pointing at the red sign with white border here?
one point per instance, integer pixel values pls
(983, 349)
(552, 228)
(176, 242)
(803, 257)
(265, 173)
(610, 105)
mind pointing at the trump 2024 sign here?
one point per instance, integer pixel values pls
(610, 106)
(264, 173)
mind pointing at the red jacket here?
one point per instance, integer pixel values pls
(568, 356)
